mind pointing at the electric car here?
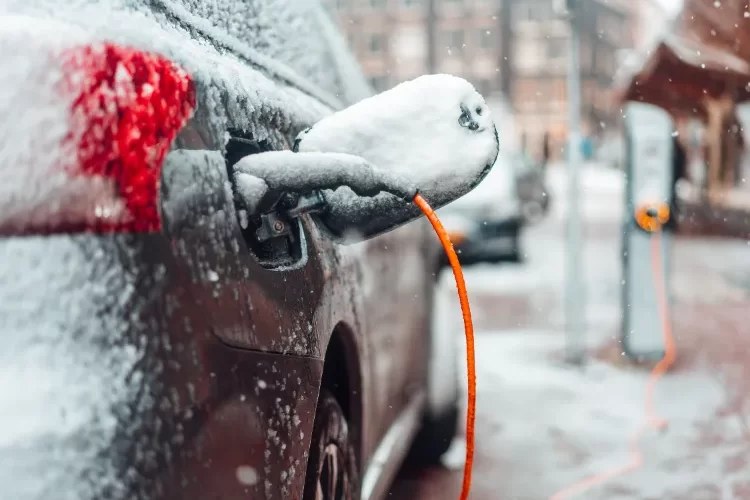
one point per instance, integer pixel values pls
(209, 354)
(485, 225)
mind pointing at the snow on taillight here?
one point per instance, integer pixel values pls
(85, 129)
(127, 108)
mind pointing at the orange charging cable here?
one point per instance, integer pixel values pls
(670, 355)
(463, 297)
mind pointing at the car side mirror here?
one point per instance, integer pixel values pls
(357, 170)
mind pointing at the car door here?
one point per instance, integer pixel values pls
(396, 287)
(300, 37)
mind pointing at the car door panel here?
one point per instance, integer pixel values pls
(380, 291)
(393, 286)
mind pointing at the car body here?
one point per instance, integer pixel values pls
(188, 362)
(485, 225)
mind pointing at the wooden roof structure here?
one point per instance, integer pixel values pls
(707, 54)
(722, 23)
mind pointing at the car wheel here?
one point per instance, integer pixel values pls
(515, 257)
(332, 472)
(435, 436)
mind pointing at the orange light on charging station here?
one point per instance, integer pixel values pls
(652, 216)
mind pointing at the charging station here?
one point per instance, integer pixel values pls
(648, 193)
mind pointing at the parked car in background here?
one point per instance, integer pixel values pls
(198, 356)
(532, 192)
(485, 225)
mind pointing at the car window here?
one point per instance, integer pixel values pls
(294, 32)
(497, 187)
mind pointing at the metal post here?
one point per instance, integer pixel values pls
(574, 290)
(507, 37)
(431, 37)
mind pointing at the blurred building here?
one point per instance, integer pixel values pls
(540, 63)
(514, 47)
(396, 40)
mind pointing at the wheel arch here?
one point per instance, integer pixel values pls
(342, 376)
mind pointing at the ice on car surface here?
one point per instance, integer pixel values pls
(64, 383)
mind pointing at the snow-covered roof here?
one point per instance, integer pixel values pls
(705, 56)
(688, 51)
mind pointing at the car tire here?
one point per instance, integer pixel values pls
(533, 211)
(435, 437)
(331, 441)
(516, 257)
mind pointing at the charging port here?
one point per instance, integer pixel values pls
(274, 238)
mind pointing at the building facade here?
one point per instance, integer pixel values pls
(540, 62)
(396, 40)
(514, 47)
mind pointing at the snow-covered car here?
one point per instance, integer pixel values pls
(485, 225)
(193, 351)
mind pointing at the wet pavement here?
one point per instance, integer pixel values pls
(542, 426)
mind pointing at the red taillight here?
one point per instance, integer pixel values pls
(127, 108)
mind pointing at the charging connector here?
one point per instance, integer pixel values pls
(269, 174)
(258, 176)
(652, 216)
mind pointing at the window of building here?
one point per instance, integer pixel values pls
(528, 55)
(585, 54)
(532, 10)
(411, 3)
(376, 43)
(486, 38)
(409, 42)
(520, 12)
(589, 91)
(378, 4)
(604, 62)
(561, 91)
(525, 92)
(379, 82)
(454, 40)
(610, 27)
(483, 86)
(487, 3)
(556, 48)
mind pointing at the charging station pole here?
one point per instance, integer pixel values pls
(574, 292)
(648, 131)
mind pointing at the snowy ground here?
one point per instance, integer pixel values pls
(542, 425)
